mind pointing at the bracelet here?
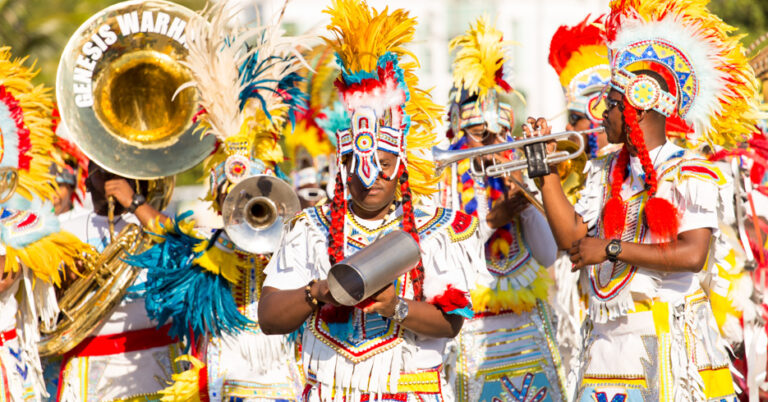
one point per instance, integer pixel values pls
(308, 295)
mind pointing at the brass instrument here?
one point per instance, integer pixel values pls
(255, 210)
(90, 298)
(569, 157)
(116, 87)
(121, 108)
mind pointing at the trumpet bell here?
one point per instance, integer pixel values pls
(571, 171)
(255, 210)
(116, 88)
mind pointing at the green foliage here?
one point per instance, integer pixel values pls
(750, 16)
(41, 28)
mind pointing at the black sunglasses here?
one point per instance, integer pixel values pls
(611, 103)
(574, 118)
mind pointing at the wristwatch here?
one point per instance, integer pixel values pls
(137, 201)
(401, 310)
(613, 249)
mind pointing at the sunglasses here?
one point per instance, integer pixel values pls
(611, 103)
(574, 118)
(485, 134)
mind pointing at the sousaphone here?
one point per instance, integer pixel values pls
(116, 91)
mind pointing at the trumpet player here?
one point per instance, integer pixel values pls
(580, 58)
(389, 347)
(509, 345)
(643, 225)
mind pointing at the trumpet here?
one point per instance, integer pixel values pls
(444, 158)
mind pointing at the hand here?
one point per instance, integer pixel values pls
(503, 212)
(383, 302)
(537, 128)
(120, 190)
(588, 251)
(322, 293)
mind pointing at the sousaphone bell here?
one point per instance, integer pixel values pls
(255, 211)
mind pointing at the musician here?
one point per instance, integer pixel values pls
(33, 248)
(643, 225)
(579, 56)
(126, 356)
(390, 346)
(511, 310)
(204, 283)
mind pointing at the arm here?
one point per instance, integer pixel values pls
(423, 318)
(283, 311)
(123, 193)
(687, 254)
(538, 236)
(6, 278)
(567, 226)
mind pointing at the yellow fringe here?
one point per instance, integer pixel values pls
(485, 299)
(185, 386)
(47, 257)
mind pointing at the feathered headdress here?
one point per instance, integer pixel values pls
(710, 87)
(26, 127)
(388, 112)
(579, 56)
(478, 77)
(71, 164)
(246, 80)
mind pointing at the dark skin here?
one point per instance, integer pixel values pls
(7, 278)
(283, 311)
(514, 202)
(102, 185)
(582, 124)
(687, 254)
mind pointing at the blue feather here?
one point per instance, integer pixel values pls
(179, 290)
(336, 119)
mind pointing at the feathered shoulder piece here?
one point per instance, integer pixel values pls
(246, 81)
(711, 85)
(580, 57)
(378, 87)
(27, 129)
(479, 64)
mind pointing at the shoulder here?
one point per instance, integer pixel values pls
(692, 167)
(435, 220)
(318, 218)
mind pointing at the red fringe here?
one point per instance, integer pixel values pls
(451, 299)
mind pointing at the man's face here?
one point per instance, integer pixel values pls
(62, 202)
(382, 192)
(612, 117)
(478, 136)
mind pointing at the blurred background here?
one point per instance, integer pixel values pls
(41, 28)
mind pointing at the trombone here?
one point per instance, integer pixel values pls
(567, 150)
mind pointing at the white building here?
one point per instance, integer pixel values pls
(530, 23)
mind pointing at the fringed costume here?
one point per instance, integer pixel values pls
(508, 350)
(348, 355)
(37, 253)
(651, 335)
(201, 282)
(580, 58)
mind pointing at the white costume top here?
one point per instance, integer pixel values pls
(368, 352)
(689, 184)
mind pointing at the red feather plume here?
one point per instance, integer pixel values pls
(568, 40)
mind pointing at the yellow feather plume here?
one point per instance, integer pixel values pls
(482, 54)
(37, 105)
(186, 385)
(47, 257)
(363, 34)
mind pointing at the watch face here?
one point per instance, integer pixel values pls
(614, 248)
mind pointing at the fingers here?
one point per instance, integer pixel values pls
(536, 127)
